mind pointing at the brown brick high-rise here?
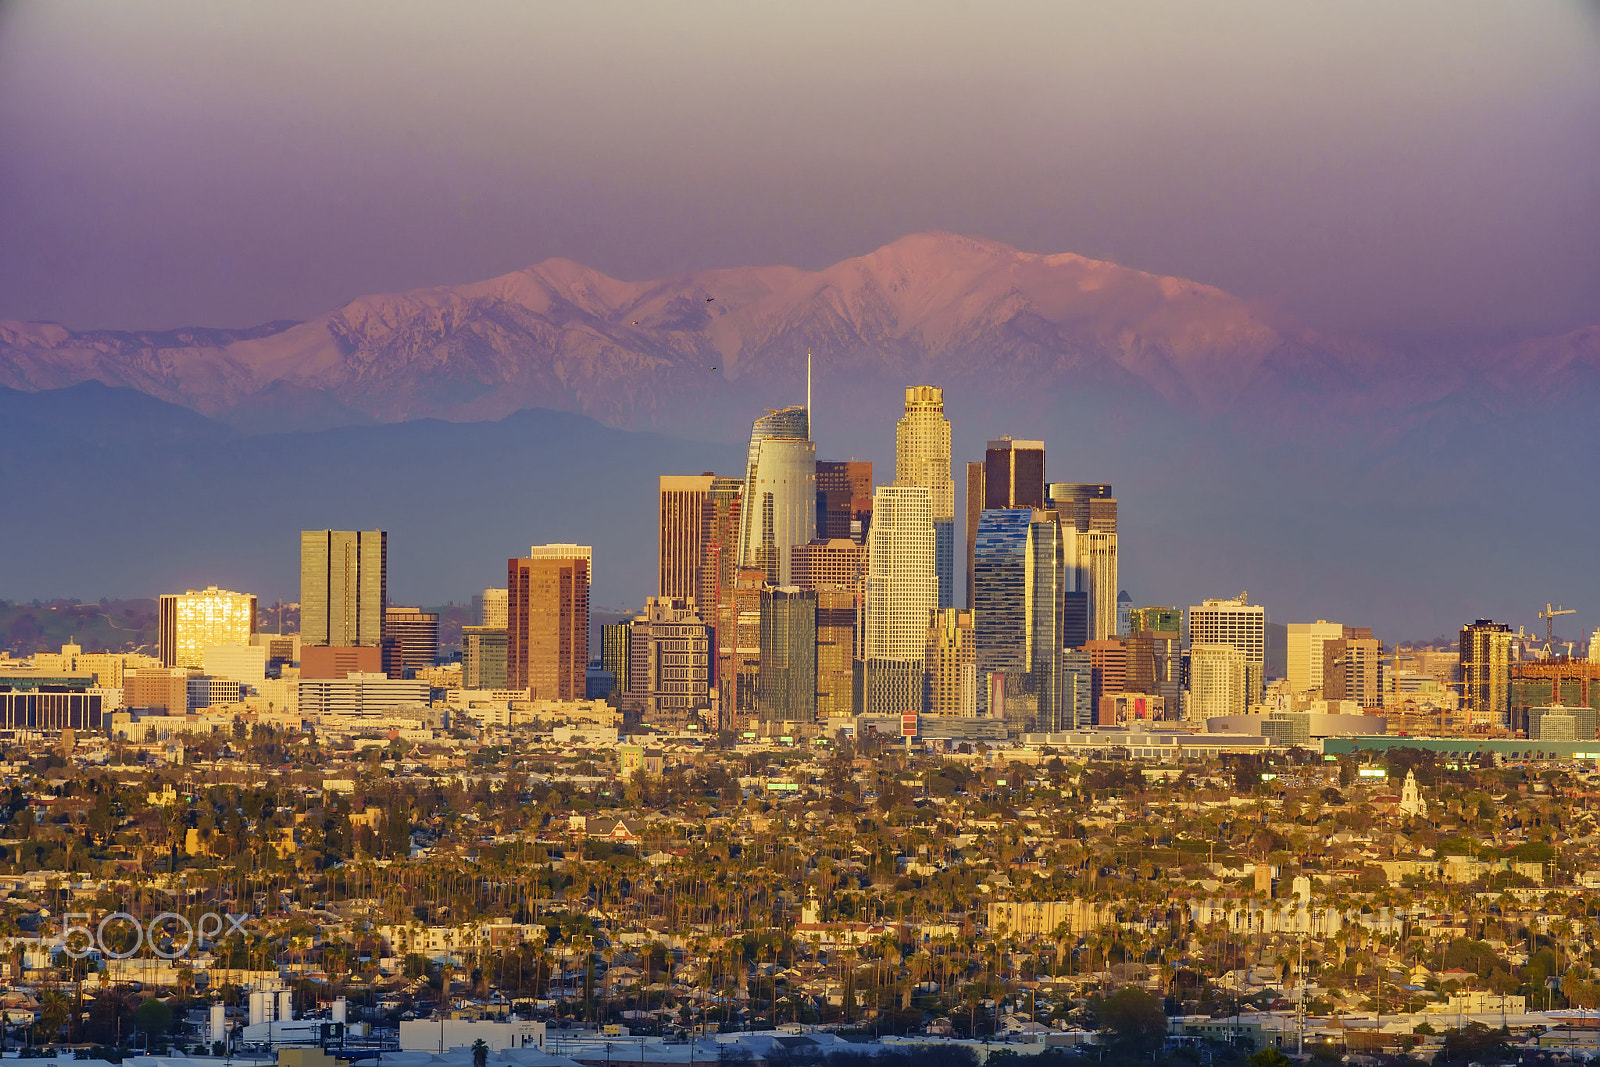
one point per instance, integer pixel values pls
(547, 642)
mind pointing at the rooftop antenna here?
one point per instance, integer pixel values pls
(808, 392)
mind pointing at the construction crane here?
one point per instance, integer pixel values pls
(1549, 616)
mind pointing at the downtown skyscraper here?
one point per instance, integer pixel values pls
(1010, 476)
(344, 586)
(547, 640)
(1237, 624)
(902, 592)
(922, 458)
(1020, 579)
(780, 498)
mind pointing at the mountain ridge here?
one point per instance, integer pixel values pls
(661, 353)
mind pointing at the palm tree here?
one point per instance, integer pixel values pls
(480, 1053)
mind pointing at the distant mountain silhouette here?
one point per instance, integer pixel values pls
(696, 352)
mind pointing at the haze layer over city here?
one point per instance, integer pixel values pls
(897, 533)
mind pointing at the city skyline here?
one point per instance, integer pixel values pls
(913, 534)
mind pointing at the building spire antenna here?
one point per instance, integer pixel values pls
(808, 392)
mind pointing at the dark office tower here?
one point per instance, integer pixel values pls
(719, 569)
(547, 646)
(679, 533)
(483, 657)
(1155, 666)
(1108, 660)
(614, 654)
(1486, 673)
(739, 705)
(1020, 596)
(788, 673)
(1074, 499)
(416, 636)
(344, 585)
(844, 499)
(1074, 618)
(1013, 474)
(975, 495)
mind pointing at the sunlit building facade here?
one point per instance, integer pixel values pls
(189, 623)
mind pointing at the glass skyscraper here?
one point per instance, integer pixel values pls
(788, 673)
(780, 499)
(1020, 581)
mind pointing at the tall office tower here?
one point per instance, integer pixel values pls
(494, 608)
(902, 590)
(975, 494)
(1239, 624)
(1096, 574)
(1010, 476)
(669, 664)
(547, 642)
(952, 666)
(922, 457)
(837, 571)
(780, 496)
(1075, 499)
(188, 623)
(483, 657)
(1013, 474)
(344, 585)
(788, 672)
(838, 613)
(1019, 590)
(1108, 660)
(1155, 666)
(1304, 643)
(1124, 614)
(1594, 647)
(1077, 692)
(678, 534)
(1140, 663)
(844, 499)
(416, 636)
(1166, 619)
(615, 638)
(1219, 681)
(719, 570)
(746, 699)
(1350, 671)
(1486, 672)
(1075, 605)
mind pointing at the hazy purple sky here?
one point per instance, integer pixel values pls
(1370, 167)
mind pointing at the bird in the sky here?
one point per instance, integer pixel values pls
(636, 322)
(713, 368)
(709, 299)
